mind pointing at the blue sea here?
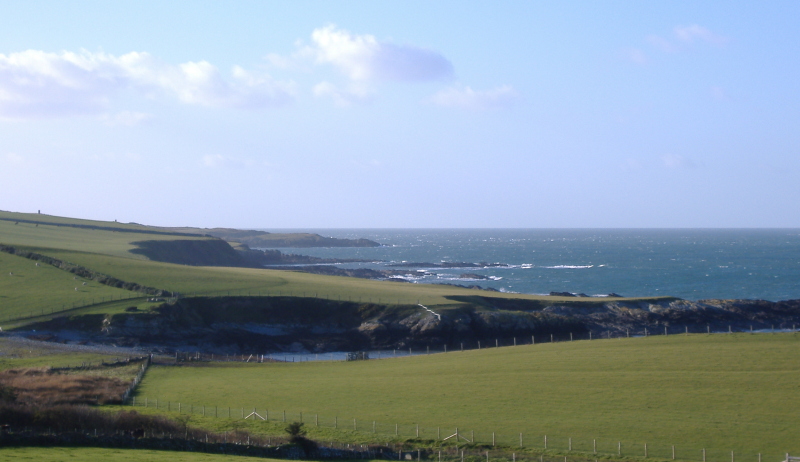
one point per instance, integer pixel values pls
(693, 264)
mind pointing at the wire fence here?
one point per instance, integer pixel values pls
(474, 442)
(76, 305)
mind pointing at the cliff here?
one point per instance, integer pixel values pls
(248, 324)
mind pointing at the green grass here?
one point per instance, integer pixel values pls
(112, 455)
(727, 392)
(27, 289)
(15, 353)
(87, 240)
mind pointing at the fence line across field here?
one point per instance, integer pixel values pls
(600, 447)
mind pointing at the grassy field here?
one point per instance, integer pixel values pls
(112, 455)
(728, 392)
(16, 353)
(81, 239)
(26, 288)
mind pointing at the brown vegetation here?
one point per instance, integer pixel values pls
(43, 386)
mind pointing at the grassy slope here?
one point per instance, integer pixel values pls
(731, 392)
(16, 354)
(112, 455)
(41, 288)
(81, 239)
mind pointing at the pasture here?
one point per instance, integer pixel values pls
(60, 454)
(29, 289)
(725, 393)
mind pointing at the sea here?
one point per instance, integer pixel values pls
(692, 264)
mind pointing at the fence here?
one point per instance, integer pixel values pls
(447, 438)
(66, 307)
(137, 379)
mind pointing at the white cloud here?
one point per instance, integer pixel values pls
(466, 98)
(40, 84)
(354, 94)
(690, 33)
(363, 57)
(676, 161)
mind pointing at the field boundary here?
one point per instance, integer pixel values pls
(461, 438)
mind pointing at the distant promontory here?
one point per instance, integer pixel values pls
(266, 240)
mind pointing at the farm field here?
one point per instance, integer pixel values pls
(111, 455)
(26, 288)
(18, 353)
(735, 392)
(117, 242)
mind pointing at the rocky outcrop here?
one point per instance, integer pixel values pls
(248, 324)
(198, 252)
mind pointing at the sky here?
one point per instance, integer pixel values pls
(403, 114)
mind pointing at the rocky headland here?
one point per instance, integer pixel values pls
(276, 324)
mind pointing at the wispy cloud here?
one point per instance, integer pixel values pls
(223, 161)
(681, 38)
(694, 32)
(36, 84)
(464, 97)
(634, 55)
(661, 44)
(364, 57)
(353, 94)
(676, 162)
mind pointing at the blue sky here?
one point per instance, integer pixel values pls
(403, 114)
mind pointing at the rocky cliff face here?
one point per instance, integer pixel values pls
(245, 324)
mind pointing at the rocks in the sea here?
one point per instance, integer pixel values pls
(473, 276)
(449, 264)
(562, 294)
(613, 294)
